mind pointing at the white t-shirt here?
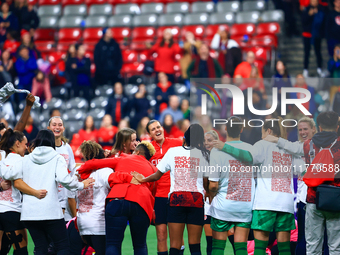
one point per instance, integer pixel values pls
(184, 166)
(10, 200)
(65, 150)
(236, 187)
(91, 209)
(274, 190)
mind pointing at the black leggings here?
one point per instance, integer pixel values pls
(317, 49)
(98, 243)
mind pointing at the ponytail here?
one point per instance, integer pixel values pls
(283, 130)
(276, 127)
(197, 141)
(9, 138)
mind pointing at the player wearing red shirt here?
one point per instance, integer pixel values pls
(162, 145)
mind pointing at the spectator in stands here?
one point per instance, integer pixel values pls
(26, 67)
(8, 21)
(31, 130)
(334, 63)
(11, 44)
(162, 92)
(107, 132)
(190, 48)
(108, 59)
(118, 106)
(166, 51)
(244, 69)
(28, 18)
(336, 102)
(7, 67)
(229, 52)
(26, 41)
(255, 80)
(123, 123)
(41, 87)
(170, 128)
(281, 79)
(80, 74)
(142, 133)
(88, 132)
(183, 125)
(313, 18)
(141, 105)
(311, 105)
(332, 28)
(172, 110)
(185, 108)
(204, 66)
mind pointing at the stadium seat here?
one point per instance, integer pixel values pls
(121, 33)
(253, 5)
(242, 40)
(141, 33)
(44, 35)
(54, 57)
(270, 5)
(77, 103)
(197, 30)
(270, 28)
(120, 21)
(156, 8)
(248, 17)
(73, 126)
(92, 2)
(48, 2)
(196, 19)
(74, 114)
(105, 91)
(144, 20)
(132, 68)
(130, 90)
(96, 21)
(71, 2)
(48, 22)
(129, 56)
(114, 2)
(181, 89)
(199, 7)
(49, 10)
(170, 20)
(265, 40)
(90, 55)
(127, 9)
(99, 102)
(63, 46)
(92, 35)
(70, 21)
(174, 30)
(211, 30)
(69, 34)
(97, 113)
(54, 103)
(272, 16)
(101, 9)
(262, 53)
(232, 6)
(45, 47)
(75, 10)
(178, 8)
(59, 92)
(242, 29)
(32, 2)
(222, 18)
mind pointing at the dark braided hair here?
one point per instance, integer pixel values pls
(196, 133)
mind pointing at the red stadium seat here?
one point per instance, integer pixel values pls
(243, 41)
(90, 46)
(73, 2)
(93, 69)
(121, 34)
(89, 54)
(54, 57)
(45, 46)
(174, 30)
(69, 35)
(140, 45)
(270, 28)
(132, 68)
(141, 33)
(129, 56)
(91, 2)
(44, 35)
(197, 30)
(264, 40)
(32, 2)
(92, 35)
(211, 30)
(261, 53)
(63, 46)
(114, 2)
(49, 2)
(242, 29)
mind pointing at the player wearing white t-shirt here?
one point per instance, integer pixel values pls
(56, 125)
(233, 190)
(186, 205)
(274, 196)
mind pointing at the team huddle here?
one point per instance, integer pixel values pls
(69, 207)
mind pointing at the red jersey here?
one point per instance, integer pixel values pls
(166, 57)
(163, 184)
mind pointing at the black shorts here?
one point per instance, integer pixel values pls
(187, 215)
(161, 210)
(10, 221)
(207, 219)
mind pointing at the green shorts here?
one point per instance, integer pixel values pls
(223, 226)
(272, 221)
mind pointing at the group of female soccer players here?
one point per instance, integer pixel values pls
(140, 183)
